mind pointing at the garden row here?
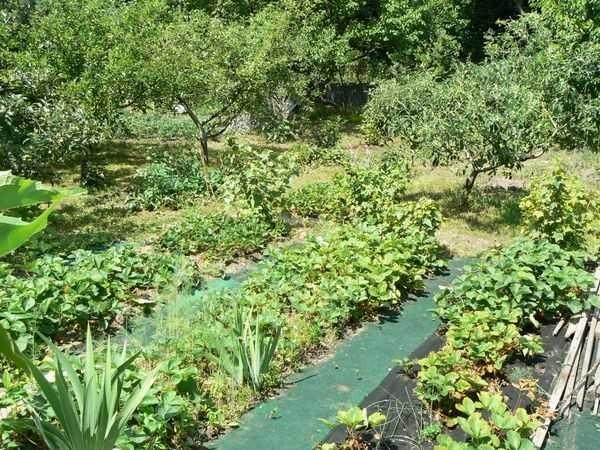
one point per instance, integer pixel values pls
(491, 314)
(229, 349)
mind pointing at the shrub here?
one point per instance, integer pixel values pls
(220, 235)
(57, 294)
(173, 179)
(558, 209)
(325, 133)
(257, 179)
(361, 192)
(311, 156)
(40, 132)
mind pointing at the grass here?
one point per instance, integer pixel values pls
(491, 217)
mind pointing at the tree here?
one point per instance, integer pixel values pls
(215, 69)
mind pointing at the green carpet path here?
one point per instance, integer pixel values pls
(291, 420)
(581, 432)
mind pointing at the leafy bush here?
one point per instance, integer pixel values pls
(311, 156)
(558, 209)
(487, 341)
(59, 293)
(173, 179)
(220, 235)
(361, 191)
(157, 125)
(256, 178)
(532, 279)
(488, 423)
(40, 132)
(325, 133)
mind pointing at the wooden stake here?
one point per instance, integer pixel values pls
(572, 379)
(559, 325)
(559, 387)
(587, 359)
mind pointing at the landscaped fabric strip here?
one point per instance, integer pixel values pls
(291, 420)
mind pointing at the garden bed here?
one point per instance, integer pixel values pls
(407, 418)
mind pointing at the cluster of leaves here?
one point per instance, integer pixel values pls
(59, 294)
(531, 279)
(220, 235)
(361, 191)
(488, 307)
(166, 126)
(256, 179)
(356, 421)
(40, 133)
(559, 209)
(312, 156)
(489, 424)
(173, 179)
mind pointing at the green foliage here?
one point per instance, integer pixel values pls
(529, 280)
(461, 120)
(40, 135)
(352, 272)
(326, 133)
(256, 178)
(92, 410)
(57, 294)
(166, 126)
(363, 191)
(173, 179)
(312, 156)
(558, 209)
(487, 341)
(356, 419)
(488, 423)
(222, 236)
(17, 192)
(247, 353)
(447, 376)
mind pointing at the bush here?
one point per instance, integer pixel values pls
(558, 209)
(362, 191)
(257, 179)
(325, 133)
(312, 156)
(40, 135)
(222, 236)
(173, 179)
(59, 294)
(157, 125)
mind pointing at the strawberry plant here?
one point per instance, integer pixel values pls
(447, 376)
(489, 424)
(487, 341)
(530, 279)
(220, 235)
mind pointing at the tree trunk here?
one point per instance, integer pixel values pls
(469, 183)
(204, 148)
